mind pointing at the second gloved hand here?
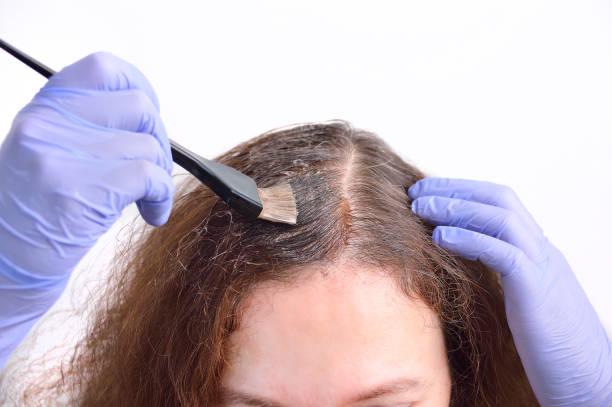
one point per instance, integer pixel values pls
(562, 344)
(88, 144)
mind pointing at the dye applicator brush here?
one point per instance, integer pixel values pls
(240, 192)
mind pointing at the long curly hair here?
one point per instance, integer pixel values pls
(160, 334)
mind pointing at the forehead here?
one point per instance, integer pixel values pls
(331, 335)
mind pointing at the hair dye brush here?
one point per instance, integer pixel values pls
(240, 192)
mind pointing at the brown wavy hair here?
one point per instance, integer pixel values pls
(159, 337)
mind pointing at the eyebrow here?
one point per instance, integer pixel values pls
(400, 385)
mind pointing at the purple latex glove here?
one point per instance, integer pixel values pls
(562, 344)
(88, 144)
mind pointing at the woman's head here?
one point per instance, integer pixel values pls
(354, 296)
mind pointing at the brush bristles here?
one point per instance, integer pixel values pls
(278, 204)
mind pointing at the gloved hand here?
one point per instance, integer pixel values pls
(562, 344)
(89, 143)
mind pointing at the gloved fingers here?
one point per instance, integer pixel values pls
(50, 136)
(496, 254)
(130, 110)
(102, 71)
(490, 220)
(477, 191)
(148, 185)
(134, 146)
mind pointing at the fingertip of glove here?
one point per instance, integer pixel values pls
(413, 190)
(414, 206)
(437, 235)
(155, 213)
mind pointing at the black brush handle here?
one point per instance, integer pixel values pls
(26, 59)
(180, 155)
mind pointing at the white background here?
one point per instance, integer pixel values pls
(514, 92)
